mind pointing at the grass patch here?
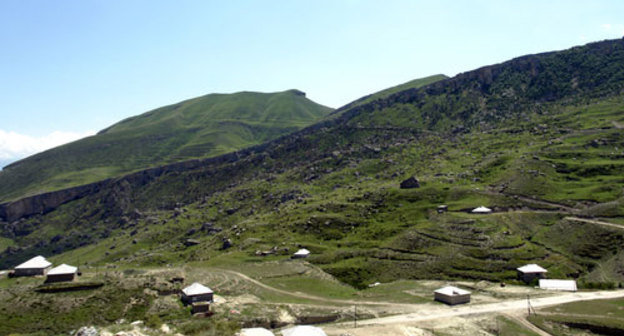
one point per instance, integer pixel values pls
(509, 327)
(603, 317)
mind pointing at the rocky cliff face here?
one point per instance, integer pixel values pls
(43, 203)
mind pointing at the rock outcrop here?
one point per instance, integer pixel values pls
(46, 202)
(87, 331)
(410, 183)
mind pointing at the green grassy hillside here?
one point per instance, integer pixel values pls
(537, 139)
(201, 127)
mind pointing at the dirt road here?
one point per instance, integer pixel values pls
(415, 313)
(505, 306)
(521, 319)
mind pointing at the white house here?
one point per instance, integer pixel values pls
(303, 331)
(302, 253)
(196, 293)
(61, 273)
(35, 266)
(451, 295)
(481, 210)
(255, 332)
(529, 272)
(560, 285)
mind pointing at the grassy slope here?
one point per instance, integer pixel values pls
(200, 127)
(383, 94)
(335, 191)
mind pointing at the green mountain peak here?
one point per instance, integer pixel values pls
(195, 128)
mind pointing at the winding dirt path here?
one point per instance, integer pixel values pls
(596, 222)
(317, 298)
(561, 207)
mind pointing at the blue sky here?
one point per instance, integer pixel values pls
(70, 68)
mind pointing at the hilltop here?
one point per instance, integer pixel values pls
(413, 84)
(537, 139)
(196, 128)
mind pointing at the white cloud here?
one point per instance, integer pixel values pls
(15, 146)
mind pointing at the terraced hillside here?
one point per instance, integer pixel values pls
(197, 128)
(537, 139)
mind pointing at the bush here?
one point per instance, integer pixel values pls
(597, 285)
(153, 321)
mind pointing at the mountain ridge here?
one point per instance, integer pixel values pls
(333, 186)
(428, 86)
(45, 202)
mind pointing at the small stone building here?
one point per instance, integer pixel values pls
(302, 253)
(35, 266)
(196, 293)
(62, 273)
(529, 272)
(451, 295)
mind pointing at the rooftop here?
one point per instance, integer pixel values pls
(303, 331)
(452, 291)
(256, 332)
(532, 268)
(196, 289)
(36, 262)
(63, 269)
(302, 251)
(482, 209)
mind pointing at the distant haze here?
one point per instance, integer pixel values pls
(15, 146)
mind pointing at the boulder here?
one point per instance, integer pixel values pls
(227, 243)
(87, 331)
